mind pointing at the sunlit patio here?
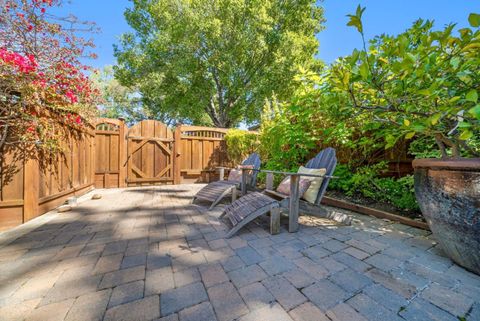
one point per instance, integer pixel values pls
(149, 254)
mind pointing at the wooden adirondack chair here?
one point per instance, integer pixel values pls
(216, 191)
(253, 205)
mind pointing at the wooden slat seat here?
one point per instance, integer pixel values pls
(275, 194)
(216, 191)
(246, 205)
(246, 209)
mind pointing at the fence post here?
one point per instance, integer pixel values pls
(31, 187)
(122, 159)
(177, 178)
(91, 145)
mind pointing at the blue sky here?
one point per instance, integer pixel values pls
(381, 16)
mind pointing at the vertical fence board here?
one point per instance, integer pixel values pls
(31, 189)
(177, 154)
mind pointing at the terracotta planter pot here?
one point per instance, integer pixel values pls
(448, 192)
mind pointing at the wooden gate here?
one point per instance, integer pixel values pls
(151, 154)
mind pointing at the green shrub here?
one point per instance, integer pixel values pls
(422, 83)
(293, 132)
(240, 143)
(365, 181)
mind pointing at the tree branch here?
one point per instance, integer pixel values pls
(3, 138)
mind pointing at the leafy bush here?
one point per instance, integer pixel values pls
(42, 84)
(420, 87)
(366, 182)
(420, 83)
(294, 131)
(240, 143)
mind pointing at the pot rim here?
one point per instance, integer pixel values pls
(469, 164)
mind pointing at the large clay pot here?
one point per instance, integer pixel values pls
(448, 192)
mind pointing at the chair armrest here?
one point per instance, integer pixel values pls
(221, 167)
(294, 174)
(221, 172)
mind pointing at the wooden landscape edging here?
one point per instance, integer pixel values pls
(330, 201)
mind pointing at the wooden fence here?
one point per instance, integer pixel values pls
(201, 150)
(111, 155)
(36, 187)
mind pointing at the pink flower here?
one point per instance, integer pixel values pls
(25, 65)
(73, 98)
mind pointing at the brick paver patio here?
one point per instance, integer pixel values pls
(148, 254)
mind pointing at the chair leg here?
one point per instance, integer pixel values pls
(213, 205)
(234, 194)
(275, 220)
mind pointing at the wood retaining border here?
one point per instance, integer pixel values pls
(373, 212)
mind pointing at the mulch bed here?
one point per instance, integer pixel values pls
(363, 201)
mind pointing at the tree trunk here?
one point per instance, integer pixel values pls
(218, 117)
(221, 123)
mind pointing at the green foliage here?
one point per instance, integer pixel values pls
(474, 19)
(420, 87)
(292, 132)
(365, 181)
(356, 19)
(240, 143)
(424, 147)
(118, 101)
(421, 83)
(287, 139)
(295, 131)
(220, 58)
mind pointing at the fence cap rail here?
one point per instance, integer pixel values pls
(201, 128)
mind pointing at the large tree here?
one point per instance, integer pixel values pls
(221, 58)
(118, 101)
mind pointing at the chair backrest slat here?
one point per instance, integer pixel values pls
(254, 160)
(325, 159)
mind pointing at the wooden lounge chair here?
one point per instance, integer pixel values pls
(253, 205)
(216, 191)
